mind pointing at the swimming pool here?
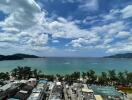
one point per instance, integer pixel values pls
(107, 92)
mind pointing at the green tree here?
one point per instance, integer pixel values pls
(112, 77)
(129, 78)
(22, 72)
(75, 76)
(36, 73)
(59, 77)
(92, 77)
(121, 78)
(84, 75)
(103, 79)
(4, 76)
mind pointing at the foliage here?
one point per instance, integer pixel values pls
(105, 78)
(25, 72)
(4, 76)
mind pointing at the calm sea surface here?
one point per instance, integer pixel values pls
(69, 65)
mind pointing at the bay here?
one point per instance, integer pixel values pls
(69, 65)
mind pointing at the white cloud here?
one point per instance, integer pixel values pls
(55, 41)
(67, 30)
(6, 37)
(120, 48)
(111, 28)
(127, 11)
(84, 42)
(76, 45)
(112, 15)
(39, 40)
(89, 20)
(87, 5)
(30, 27)
(24, 25)
(118, 14)
(105, 38)
(108, 40)
(123, 34)
(103, 35)
(109, 17)
(61, 19)
(28, 24)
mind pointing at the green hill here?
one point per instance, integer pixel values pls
(16, 57)
(125, 55)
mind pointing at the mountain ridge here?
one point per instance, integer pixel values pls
(123, 55)
(18, 56)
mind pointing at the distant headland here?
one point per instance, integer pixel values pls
(125, 55)
(17, 56)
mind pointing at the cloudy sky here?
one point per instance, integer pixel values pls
(66, 27)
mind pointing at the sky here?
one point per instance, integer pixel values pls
(75, 28)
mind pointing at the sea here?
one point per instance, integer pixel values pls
(63, 66)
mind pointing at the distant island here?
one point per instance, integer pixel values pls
(17, 57)
(125, 55)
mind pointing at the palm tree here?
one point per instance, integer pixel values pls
(18, 72)
(75, 76)
(26, 73)
(14, 72)
(129, 78)
(50, 77)
(112, 77)
(22, 72)
(103, 79)
(59, 77)
(37, 73)
(4, 76)
(84, 75)
(68, 79)
(121, 78)
(92, 77)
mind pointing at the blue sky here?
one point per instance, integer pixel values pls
(84, 28)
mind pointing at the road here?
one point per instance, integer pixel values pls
(65, 92)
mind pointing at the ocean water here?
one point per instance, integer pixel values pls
(69, 65)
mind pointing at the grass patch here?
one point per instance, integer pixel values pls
(126, 90)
